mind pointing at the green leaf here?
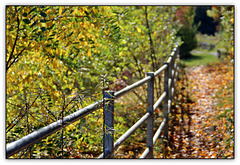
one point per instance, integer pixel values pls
(26, 21)
(41, 37)
(50, 38)
(70, 34)
(34, 24)
(34, 30)
(32, 10)
(86, 13)
(25, 14)
(43, 20)
(54, 87)
(43, 29)
(125, 77)
(51, 27)
(43, 14)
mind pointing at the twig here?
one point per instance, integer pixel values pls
(20, 116)
(14, 45)
(150, 40)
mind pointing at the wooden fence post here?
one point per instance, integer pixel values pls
(150, 102)
(108, 137)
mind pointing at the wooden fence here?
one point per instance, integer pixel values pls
(170, 69)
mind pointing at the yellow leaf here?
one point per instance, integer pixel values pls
(24, 76)
(228, 154)
(89, 53)
(60, 11)
(56, 93)
(131, 153)
(169, 148)
(120, 53)
(70, 86)
(139, 30)
(41, 85)
(124, 42)
(21, 88)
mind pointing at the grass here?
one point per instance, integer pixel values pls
(209, 39)
(202, 58)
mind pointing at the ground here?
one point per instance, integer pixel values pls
(203, 117)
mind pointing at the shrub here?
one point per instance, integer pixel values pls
(188, 36)
(187, 32)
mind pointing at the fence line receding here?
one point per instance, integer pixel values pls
(170, 69)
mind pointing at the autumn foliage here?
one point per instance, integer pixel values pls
(57, 58)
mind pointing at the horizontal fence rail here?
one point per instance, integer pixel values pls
(170, 69)
(171, 72)
(46, 131)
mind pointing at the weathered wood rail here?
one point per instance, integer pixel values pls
(170, 69)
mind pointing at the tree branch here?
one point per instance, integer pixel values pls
(14, 45)
(151, 41)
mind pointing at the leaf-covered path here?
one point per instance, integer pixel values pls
(203, 117)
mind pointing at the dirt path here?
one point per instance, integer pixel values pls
(197, 131)
(202, 86)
